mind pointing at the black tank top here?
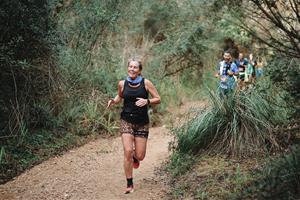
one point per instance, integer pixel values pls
(132, 113)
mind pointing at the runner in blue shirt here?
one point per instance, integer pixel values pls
(226, 71)
(241, 64)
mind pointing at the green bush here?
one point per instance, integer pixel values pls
(239, 125)
(279, 179)
(284, 73)
(180, 164)
(27, 71)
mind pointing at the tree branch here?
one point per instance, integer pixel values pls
(178, 70)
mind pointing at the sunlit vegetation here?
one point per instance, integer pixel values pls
(61, 61)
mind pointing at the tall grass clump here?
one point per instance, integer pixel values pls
(240, 124)
(279, 179)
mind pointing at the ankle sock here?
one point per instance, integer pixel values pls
(129, 182)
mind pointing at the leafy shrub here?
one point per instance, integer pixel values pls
(27, 70)
(279, 179)
(180, 163)
(239, 125)
(284, 73)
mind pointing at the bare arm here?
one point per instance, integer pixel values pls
(118, 97)
(153, 92)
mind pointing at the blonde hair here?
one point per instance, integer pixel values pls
(139, 61)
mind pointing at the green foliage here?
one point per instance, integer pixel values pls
(36, 147)
(26, 27)
(239, 125)
(279, 179)
(180, 163)
(212, 177)
(229, 29)
(159, 16)
(2, 154)
(285, 73)
(49, 76)
(25, 52)
(28, 75)
(184, 54)
(84, 56)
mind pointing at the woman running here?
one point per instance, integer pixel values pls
(134, 123)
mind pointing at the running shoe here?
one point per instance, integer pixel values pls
(136, 163)
(129, 190)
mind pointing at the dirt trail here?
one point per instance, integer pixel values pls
(94, 171)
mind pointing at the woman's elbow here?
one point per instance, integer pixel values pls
(158, 100)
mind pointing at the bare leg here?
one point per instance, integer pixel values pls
(127, 140)
(140, 147)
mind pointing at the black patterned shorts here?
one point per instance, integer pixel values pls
(134, 129)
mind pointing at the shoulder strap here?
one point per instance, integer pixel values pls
(143, 82)
(125, 83)
(125, 86)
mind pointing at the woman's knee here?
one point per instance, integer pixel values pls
(140, 156)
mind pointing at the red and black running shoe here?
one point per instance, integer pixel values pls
(136, 163)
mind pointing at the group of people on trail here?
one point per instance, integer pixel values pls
(135, 90)
(238, 73)
(134, 123)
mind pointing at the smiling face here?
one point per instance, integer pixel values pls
(227, 56)
(133, 69)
